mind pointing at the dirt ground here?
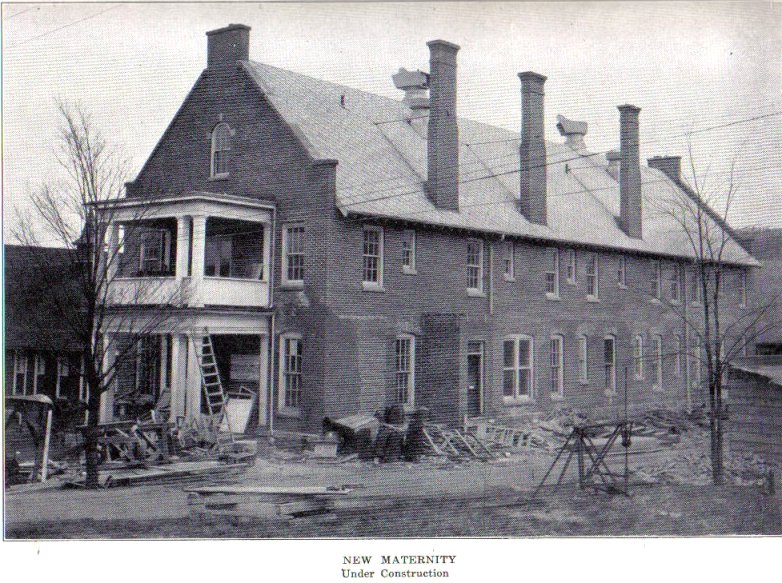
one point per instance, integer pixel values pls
(432, 498)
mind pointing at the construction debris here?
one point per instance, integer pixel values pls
(176, 472)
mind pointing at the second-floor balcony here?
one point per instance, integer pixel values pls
(195, 250)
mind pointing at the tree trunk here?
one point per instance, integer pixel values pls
(91, 441)
(716, 434)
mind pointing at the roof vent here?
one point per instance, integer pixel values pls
(415, 84)
(574, 132)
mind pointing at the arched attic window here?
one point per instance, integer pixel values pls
(221, 145)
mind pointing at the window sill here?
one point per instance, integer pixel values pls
(289, 413)
(676, 302)
(507, 277)
(658, 390)
(654, 301)
(553, 297)
(583, 383)
(593, 299)
(292, 285)
(409, 270)
(218, 177)
(571, 281)
(369, 286)
(557, 397)
(220, 278)
(475, 293)
(621, 286)
(609, 393)
(517, 400)
(695, 303)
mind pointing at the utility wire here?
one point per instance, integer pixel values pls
(47, 33)
(21, 12)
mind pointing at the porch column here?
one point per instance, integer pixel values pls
(178, 375)
(193, 388)
(106, 413)
(197, 259)
(263, 382)
(182, 247)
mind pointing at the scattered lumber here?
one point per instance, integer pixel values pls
(454, 443)
(162, 474)
(263, 502)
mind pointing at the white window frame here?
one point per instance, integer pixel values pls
(675, 284)
(214, 247)
(216, 131)
(657, 377)
(557, 365)
(84, 389)
(593, 261)
(638, 357)
(282, 397)
(697, 352)
(743, 289)
(63, 372)
(656, 280)
(508, 261)
(572, 272)
(39, 370)
(376, 284)
(552, 273)
(696, 287)
(286, 254)
(478, 290)
(20, 367)
(677, 370)
(582, 357)
(621, 273)
(165, 250)
(408, 374)
(409, 252)
(517, 396)
(610, 388)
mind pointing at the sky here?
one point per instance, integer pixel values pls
(689, 66)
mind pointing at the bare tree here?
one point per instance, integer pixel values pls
(724, 318)
(79, 213)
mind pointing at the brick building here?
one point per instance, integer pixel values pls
(347, 251)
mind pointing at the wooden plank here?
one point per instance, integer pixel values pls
(285, 490)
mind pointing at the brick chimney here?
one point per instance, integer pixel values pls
(671, 166)
(630, 201)
(443, 138)
(227, 45)
(532, 152)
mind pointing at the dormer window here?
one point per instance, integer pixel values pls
(221, 145)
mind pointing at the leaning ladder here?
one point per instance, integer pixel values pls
(214, 394)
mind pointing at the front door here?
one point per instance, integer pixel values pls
(474, 379)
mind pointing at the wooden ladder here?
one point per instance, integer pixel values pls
(214, 394)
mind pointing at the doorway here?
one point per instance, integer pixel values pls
(475, 350)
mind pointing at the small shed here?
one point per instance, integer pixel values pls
(755, 423)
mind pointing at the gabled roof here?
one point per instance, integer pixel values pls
(380, 145)
(31, 319)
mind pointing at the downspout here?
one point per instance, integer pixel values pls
(491, 277)
(270, 360)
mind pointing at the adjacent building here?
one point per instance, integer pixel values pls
(347, 251)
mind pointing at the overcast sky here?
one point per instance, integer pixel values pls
(689, 66)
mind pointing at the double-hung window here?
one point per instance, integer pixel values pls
(696, 292)
(372, 277)
(218, 253)
(155, 252)
(593, 277)
(609, 363)
(675, 283)
(743, 289)
(293, 255)
(557, 366)
(508, 263)
(408, 251)
(63, 372)
(20, 373)
(552, 272)
(638, 356)
(621, 272)
(517, 368)
(221, 146)
(678, 356)
(404, 355)
(657, 363)
(291, 355)
(583, 362)
(475, 266)
(571, 266)
(655, 284)
(39, 371)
